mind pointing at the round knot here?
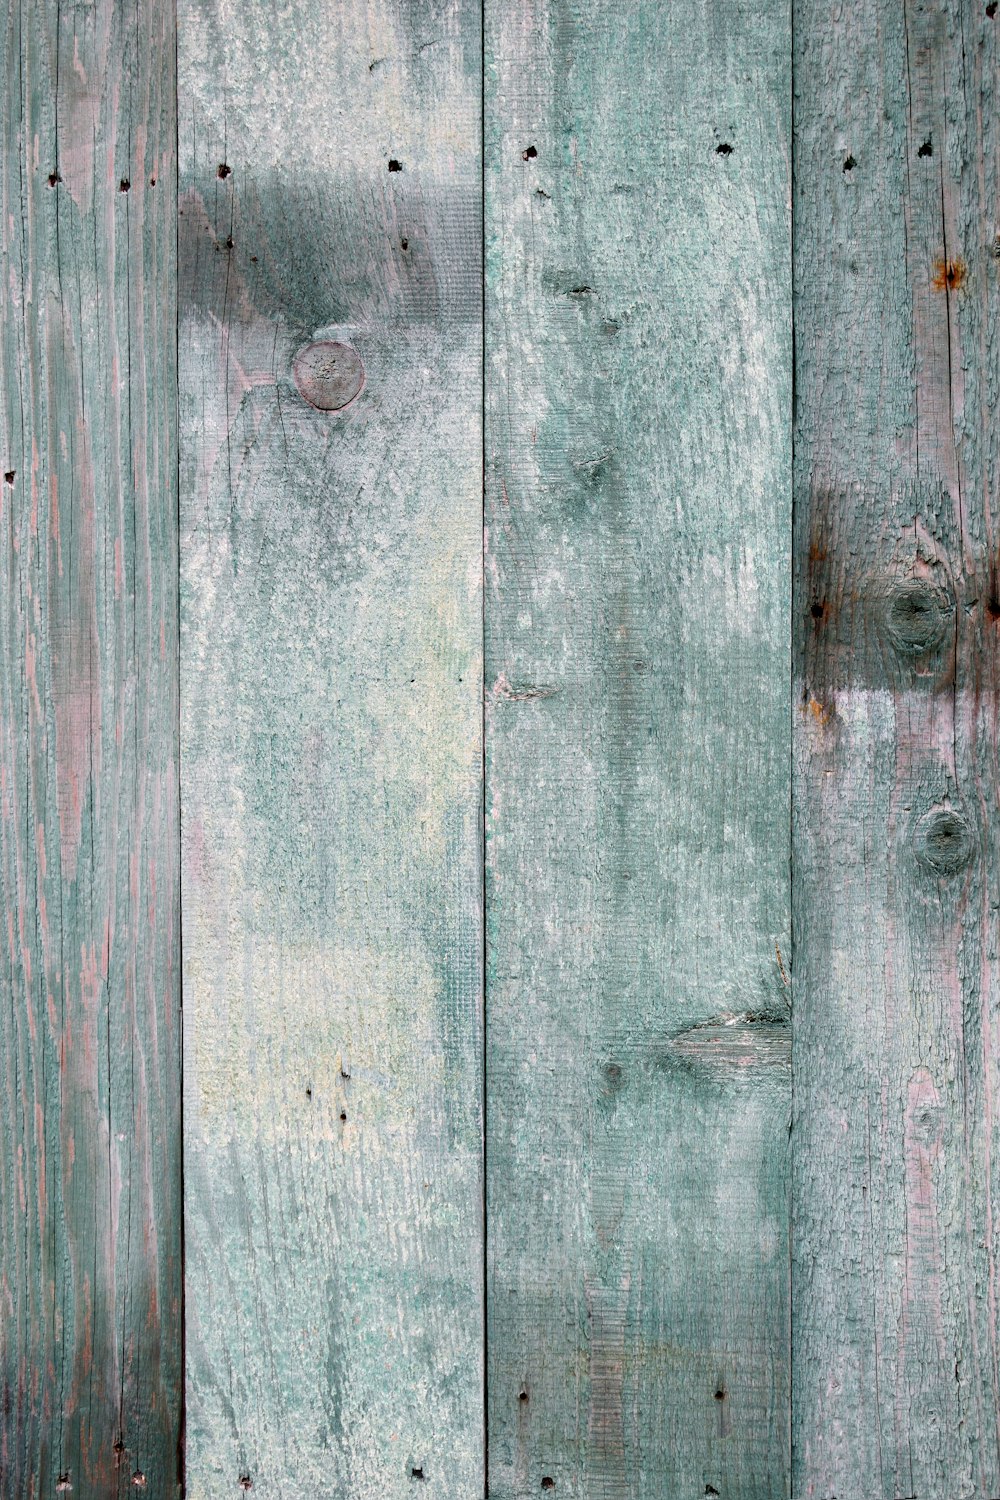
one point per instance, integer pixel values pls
(329, 375)
(917, 615)
(943, 841)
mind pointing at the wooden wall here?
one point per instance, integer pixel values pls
(497, 529)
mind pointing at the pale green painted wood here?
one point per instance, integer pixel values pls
(90, 1212)
(638, 682)
(897, 153)
(331, 750)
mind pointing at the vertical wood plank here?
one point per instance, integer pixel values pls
(896, 1389)
(90, 1214)
(331, 745)
(638, 683)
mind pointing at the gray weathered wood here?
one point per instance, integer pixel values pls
(90, 1215)
(638, 680)
(897, 155)
(331, 746)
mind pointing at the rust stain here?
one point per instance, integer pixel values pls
(949, 275)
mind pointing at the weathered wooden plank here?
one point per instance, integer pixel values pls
(896, 893)
(331, 745)
(638, 671)
(90, 1215)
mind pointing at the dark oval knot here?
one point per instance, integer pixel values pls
(943, 841)
(917, 616)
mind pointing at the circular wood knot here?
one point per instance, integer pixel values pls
(328, 375)
(917, 616)
(943, 841)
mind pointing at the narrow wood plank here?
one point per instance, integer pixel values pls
(897, 893)
(638, 671)
(331, 738)
(90, 1214)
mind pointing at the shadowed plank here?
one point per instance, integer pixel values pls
(331, 734)
(90, 1214)
(896, 1044)
(638, 672)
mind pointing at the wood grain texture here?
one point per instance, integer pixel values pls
(897, 864)
(638, 681)
(332, 749)
(90, 1214)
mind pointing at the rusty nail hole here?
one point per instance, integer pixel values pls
(139, 1479)
(548, 1483)
(53, 179)
(849, 164)
(817, 611)
(394, 165)
(724, 150)
(343, 1116)
(224, 170)
(926, 149)
(949, 275)
(720, 1394)
(529, 154)
(124, 185)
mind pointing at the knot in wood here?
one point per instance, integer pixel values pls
(943, 841)
(917, 615)
(328, 374)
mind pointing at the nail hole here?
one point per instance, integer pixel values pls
(152, 182)
(124, 185)
(225, 170)
(54, 178)
(529, 154)
(926, 149)
(817, 611)
(720, 1394)
(724, 150)
(849, 164)
(710, 1489)
(949, 275)
(343, 1115)
(417, 1474)
(522, 1395)
(309, 1093)
(404, 244)
(394, 165)
(548, 1483)
(9, 477)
